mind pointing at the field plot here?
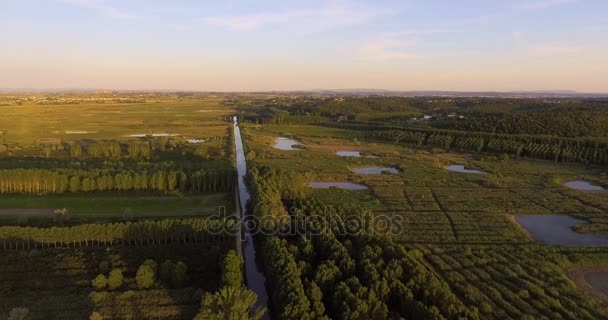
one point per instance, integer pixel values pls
(513, 283)
(111, 207)
(460, 223)
(56, 283)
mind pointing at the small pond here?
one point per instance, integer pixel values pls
(583, 185)
(283, 143)
(356, 154)
(143, 135)
(375, 170)
(555, 229)
(340, 185)
(461, 169)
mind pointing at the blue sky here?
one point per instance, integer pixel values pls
(296, 44)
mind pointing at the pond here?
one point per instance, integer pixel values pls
(583, 185)
(556, 230)
(340, 185)
(283, 143)
(461, 169)
(375, 170)
(143, 135)
(356, 154)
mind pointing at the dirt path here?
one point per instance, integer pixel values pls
(26, 212)
(593, 280)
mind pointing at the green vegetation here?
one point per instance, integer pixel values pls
(455, 251)
(106, 207)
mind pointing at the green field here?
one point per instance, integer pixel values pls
(452, 249)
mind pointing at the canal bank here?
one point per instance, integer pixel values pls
(255, 278)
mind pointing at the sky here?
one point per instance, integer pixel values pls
(262, 45)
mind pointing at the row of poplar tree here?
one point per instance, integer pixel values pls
(70, 180)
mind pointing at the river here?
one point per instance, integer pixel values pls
(255, 278)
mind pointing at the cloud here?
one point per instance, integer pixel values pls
(552, 49)
(399, 45)
(102, 7)
(543, 49)
(543, 4)
(336, 13)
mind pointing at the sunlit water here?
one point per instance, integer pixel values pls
(340, 185)
(255, 278)
(556, 229)
(461, 169)
(356, 154)
(375, 170)
(583, 185)
(283, 143)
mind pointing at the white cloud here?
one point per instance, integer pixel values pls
(102, 7)
(388, 47)
(399, 45)
(336, 13)
(543, 4)
(552, 49)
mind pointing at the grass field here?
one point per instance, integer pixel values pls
(117, 206)
(30, 123)
(426, 190)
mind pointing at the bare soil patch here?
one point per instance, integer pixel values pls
(593, 280)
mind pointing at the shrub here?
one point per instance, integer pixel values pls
(115, 279)
(19, 314)
(146, 274)
(232, 269)
(165, 270)
(100, 282)
(179, 275)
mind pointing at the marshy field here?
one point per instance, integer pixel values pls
(483, 224)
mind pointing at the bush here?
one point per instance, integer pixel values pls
(104, 267)
(179, 275)
(115, 279)
(100, 282)
(166, 268)
(19, 314)
(99, 297)
(95, 316)
(232, 269)
(146, 274)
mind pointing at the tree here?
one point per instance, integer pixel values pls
(230, 303)
(115, 279)
(75, 151)
(179, 275)
(146, 274)
(19, 314)
(100, 282)
(165, 270)
(74, 184)
(95, 316)
(232, 269)
(104, 267)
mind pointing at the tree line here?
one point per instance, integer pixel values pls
(581, 150)
(142, 233)
(75, 180)
(585, 151)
